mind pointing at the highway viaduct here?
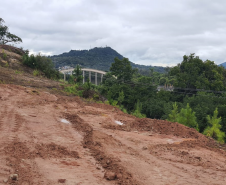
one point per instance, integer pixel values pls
(69, 71)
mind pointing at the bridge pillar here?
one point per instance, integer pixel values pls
(101, 78)
(64, 77)
(90, 76)
(83, 74)
(96, 78)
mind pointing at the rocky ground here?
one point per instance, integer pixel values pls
(47, 138)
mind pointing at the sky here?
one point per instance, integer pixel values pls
(148, 32)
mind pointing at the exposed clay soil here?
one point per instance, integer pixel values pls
(92, 149)
(47, 138)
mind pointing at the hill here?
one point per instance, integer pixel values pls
(223, 64)
(96, 58)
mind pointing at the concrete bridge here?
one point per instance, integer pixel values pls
(84, 70)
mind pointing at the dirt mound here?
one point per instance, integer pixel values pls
(158, 126)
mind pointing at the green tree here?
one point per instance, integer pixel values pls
(193, 73)
(138, 109)
(162, 81)
(173, 117)
(77, 73)
(6, 36)
(221, 111)
(187, 117)
(214, 131)
(121, 97)
(122, 69)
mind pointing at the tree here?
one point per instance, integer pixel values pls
(193, 73)
(121, 97)
(77, 73)
(173, 117)
(214, 131)
(187, 117)
(162, 81)
(6, 36)
(122, 69)
(138, 109)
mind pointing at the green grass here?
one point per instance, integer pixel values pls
(36, 73)
(4, 56)
(2, 82)
(7, 64)
(18, 72)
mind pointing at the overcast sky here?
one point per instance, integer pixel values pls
(149, 32)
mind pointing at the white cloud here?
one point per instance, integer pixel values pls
(147, 32)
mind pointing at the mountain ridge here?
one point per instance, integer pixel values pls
(97, 58)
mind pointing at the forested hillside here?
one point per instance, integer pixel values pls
(96, 58)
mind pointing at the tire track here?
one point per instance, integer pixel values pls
(5, 125)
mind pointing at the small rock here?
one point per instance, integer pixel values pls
(109, 175)
(5, 181)
(199, 158)
(145, 148)
(13, 177)
(61, 180)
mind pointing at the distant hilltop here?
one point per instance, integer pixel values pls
(99, 58)
(223, 64)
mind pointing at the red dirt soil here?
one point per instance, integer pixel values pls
(42, 149)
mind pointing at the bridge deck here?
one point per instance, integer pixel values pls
(84, 69)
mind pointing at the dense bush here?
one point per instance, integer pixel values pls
(43, 64)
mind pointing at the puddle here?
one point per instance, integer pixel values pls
(65, 121)
(118, 122)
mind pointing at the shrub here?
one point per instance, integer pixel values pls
(214, 131)
(7, 64)
(4, 56)
(96, 96)
(18, 72)
(173, 117)
(137, 111)
(42, 64)
(72, 89)
(187, 117)
(36, 72)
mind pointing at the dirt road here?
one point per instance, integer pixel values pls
(48, 139)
